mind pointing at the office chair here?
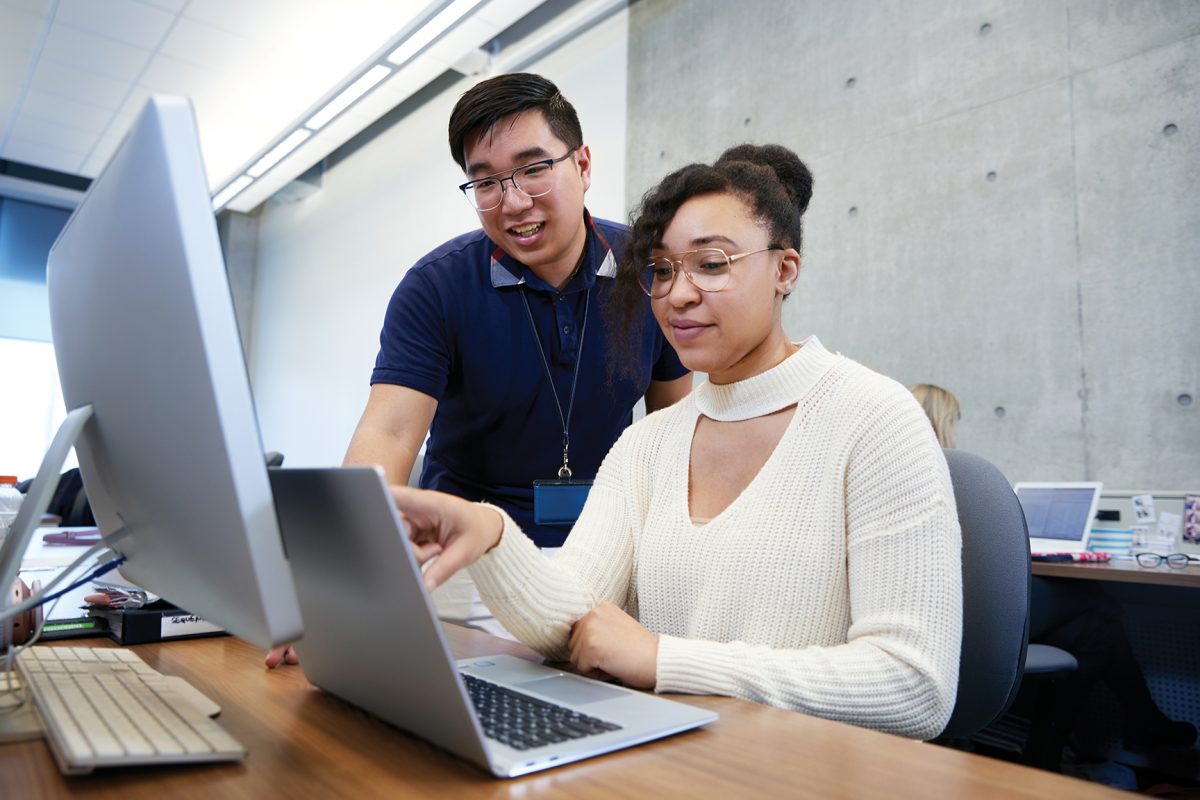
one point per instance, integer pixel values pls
(1046, 667)
(996, 580)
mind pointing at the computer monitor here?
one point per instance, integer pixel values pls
(145, 333)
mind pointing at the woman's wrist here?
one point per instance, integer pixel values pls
(491, 521)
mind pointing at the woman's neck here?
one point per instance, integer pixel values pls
(769, 353)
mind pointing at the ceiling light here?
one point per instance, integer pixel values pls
(231, 191)
(431, 30)
(276, 153)
(351, 93)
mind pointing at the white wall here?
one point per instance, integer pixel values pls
(328, 264)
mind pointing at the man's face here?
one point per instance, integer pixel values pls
(546, 233)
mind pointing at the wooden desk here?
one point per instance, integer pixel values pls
(1121, 571)
(303, 743)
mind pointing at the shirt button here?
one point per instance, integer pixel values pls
(566, 328)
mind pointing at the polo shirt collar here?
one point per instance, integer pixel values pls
(598, 260)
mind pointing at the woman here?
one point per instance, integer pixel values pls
(785, 534)
(941, 406)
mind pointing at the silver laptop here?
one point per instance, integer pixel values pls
(372, 639)
(1059, 515)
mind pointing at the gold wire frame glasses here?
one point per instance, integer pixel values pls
(708, 269)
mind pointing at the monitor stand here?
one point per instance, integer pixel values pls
(37, 500)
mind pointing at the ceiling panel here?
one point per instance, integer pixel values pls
(174, 6)
(61, 111)
(14, 65)
(196, 42)
(77, 48)
(43, 155)
(39, 7)
(19, 28)
(168, 74)
(237, 16)
(124, 21)
(8, 100)
(100, 154)
(81, 85)
(58, 136)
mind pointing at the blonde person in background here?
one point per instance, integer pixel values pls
(785, 534)
(941, 407)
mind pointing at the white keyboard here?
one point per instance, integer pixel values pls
(104, 707)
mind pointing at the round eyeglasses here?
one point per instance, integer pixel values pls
(531, 180)
(1151, 560)
(708, 270)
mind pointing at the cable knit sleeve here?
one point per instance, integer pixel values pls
(897, 668)
(537, 598)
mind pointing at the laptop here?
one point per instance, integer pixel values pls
(1059, 515)
(372, 639)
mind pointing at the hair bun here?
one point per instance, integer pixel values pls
(787, 166)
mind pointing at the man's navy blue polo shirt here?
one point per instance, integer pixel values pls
(456, 329)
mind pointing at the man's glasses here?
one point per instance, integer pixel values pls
(707, 269)
(1151, 560)
(531, 180)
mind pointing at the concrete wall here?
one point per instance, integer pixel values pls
(328, 263)
(1005, 202)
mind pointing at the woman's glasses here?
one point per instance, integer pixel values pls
(1151, 560)
(707, 269)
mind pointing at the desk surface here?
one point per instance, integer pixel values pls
(304, 743)
(1121, 571)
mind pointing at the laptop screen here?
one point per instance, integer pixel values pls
(1058, 512)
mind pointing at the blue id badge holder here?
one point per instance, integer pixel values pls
(559, 501)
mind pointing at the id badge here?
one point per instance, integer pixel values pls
(559, 501)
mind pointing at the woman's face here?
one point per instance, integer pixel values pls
(735, 333)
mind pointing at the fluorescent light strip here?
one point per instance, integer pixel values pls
(231, 191)
(276, 153)
(351, 93)
(431, 30)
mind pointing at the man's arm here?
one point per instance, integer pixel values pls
(661, 394)
(392, 430)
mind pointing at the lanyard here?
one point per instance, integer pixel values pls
(565, 472)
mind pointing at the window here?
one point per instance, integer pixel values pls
(31, 406)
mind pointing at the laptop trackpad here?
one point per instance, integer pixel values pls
(571, 690)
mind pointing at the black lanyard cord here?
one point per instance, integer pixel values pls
(565, 472)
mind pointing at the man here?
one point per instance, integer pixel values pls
(475, 328)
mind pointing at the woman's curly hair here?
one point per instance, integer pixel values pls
(770, 179)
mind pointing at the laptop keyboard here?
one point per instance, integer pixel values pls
(523, 722)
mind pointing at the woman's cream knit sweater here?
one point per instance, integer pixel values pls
(831, 585)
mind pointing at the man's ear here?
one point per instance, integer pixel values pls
(583, 159)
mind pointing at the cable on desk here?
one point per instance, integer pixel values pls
(36, 600)
(44, 596)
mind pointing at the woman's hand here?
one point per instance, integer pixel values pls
(608, 640)
(455, 531)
